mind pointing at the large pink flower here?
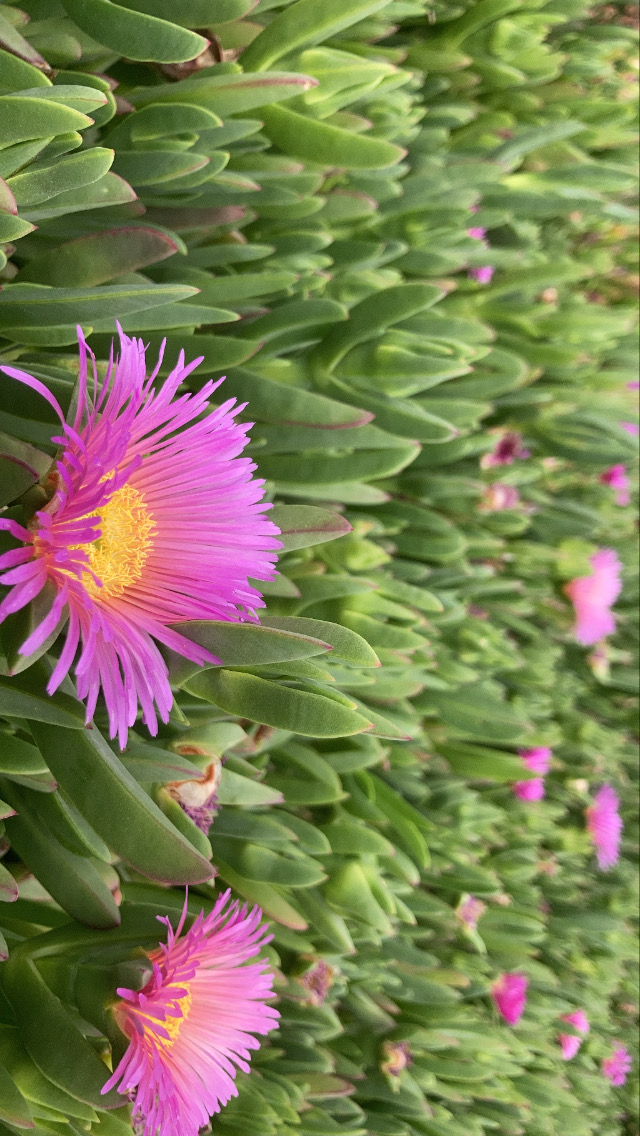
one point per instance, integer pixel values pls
(604, 824)
(193, 1022)
(155, 519)
(617, 1066)
(569, 1042)
(617, 478)
(509, 993)
(592, 597)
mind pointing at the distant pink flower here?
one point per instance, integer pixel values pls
(506, 450)
(604, 824)
(482, 275)
(397, 1057)
(499, 496)
(633, 385)
(470, 910)
(318, 981)
(477, 232)
(531, 790)
(630, 427)
(509, 993)
(570, 1043)
(537, 760)
(617, 478)
(154, 519)
(193, 1022)
(617, 1067)
(592, 597)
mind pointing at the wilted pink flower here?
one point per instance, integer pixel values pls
(470, 910)
(482, 275)
(631, 428)
(570, 1043)
(617, 1067)
(477, 232)
(499, 496)
(318, 981)
(506, 450)
(600, 661)
(531, 790)
(604, 824)
(592, 597)
(155, 520)
(397, 1057)
(198, 796)
(193, 1022)
(617, 478)
(509, 993)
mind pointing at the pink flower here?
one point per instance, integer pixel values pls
(477, 232)
(470, 910)
(193, 1022)
(531, 790)
(617, 1067)
(617, 478)
(630, 427)
(592, 597)
(155, 519)
(509, 993)
(397, 1057)
(318, 981)
(198, 797)
(482, 275)
(633, 385)
(499, 496)
(570, 1043)
(604, 824)
(538, 759)
(506, 450)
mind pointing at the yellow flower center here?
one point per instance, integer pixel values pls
(174, 1025)
(119, 554)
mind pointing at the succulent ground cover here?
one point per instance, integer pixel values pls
(402, 229)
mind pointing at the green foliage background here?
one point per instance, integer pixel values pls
(296, 210)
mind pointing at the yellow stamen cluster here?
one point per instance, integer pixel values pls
(119, 555)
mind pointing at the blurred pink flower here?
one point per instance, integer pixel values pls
(506, 450)
(617, 478)
(633, 385)
(532, 790)
(193, 1022)
(630, 427)
(396, 1056)
(499, 496)
(570, 1043)
(470, 910)
(617, 1067)
(592, 597)
(482, 275)
(604, 825)
(538, 759)
(509, 993)
(318, 981)
(477, 232)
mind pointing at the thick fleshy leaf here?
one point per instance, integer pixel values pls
(134, 34)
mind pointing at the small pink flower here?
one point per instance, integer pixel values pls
(592, 597)
(499, 496)
(532, 790)
(194, 1021)
(604, 824)
(570, 1043)
(509, 993)
(630, 427)
(617, 478)
(538, 759)
(482, 275)
(507, 449)
(470, 910)
(477, 232)
(318, 981)
(617, 1067)
(633, 385)
(397, 1057)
